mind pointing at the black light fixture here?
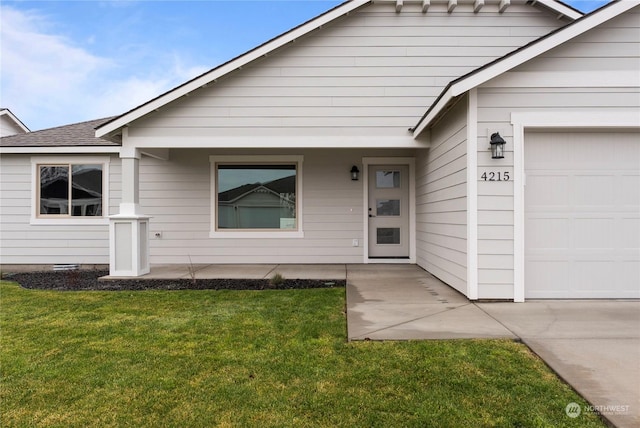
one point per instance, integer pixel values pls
(497, 146)
(354, 173)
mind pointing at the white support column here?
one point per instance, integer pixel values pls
(129, 229)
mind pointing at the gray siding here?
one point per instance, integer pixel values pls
(176, 193)
(603, 55)
(372, 73)
(24, 243)
(441, 200)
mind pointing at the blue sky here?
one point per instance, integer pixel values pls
(67, 61)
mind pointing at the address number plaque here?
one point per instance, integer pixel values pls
(495, 176)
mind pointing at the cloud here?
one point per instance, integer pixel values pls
(48, 80)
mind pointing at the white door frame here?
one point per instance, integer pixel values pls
(411, 163)
(549, 119)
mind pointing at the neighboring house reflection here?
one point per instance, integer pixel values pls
(268, 205)
(86, 190)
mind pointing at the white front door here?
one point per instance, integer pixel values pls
(388, 211)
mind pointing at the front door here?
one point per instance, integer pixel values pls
(388, 211)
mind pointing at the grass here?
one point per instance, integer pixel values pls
(251, 358)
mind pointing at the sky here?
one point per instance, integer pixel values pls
(63, 62)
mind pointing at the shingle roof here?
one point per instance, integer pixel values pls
(76, 134)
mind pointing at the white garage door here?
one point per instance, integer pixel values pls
(582, 214)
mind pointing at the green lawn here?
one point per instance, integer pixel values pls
(251, 358)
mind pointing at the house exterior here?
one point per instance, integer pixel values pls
(10, 124)
(252, 162)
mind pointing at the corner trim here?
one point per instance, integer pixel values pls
(472, 195)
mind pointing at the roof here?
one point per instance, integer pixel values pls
(77, 134)
(471, 80)
(110, 129)
(6, 112)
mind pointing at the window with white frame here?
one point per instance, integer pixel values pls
(69, 189)
(256, 194)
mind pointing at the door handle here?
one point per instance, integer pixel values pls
(371, 215)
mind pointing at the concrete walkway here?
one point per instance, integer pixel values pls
(402, 302)
(593, 345)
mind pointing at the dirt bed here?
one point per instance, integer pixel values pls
(88, 280)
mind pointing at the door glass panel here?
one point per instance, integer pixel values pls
(387, 207)
(387, 179)
(388, 235)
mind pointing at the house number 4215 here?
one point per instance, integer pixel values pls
(495, 176)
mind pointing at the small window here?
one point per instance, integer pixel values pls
(256, 197)
(387, 179)
(70, 190)
(387, 207)
(388, 236)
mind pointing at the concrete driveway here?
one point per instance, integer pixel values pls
(593, 345)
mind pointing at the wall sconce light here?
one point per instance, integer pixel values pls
(355, 172)
(497, 146)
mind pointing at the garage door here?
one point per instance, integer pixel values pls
(582, 214)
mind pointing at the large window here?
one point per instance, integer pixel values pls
(70, 189)
(259, 194)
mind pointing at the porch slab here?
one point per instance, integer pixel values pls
(236, 271)
(245, 271)
(171, 271)
(329, 271)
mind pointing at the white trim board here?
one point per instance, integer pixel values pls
(60, 150)
(522, 121)
(288, 142)
(472, 195)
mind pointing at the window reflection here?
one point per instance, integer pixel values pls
(387, 207)
(387, 179)
(256, 196)
(80, 196)
(388, 235)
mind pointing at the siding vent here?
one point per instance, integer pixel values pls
(64, 267)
